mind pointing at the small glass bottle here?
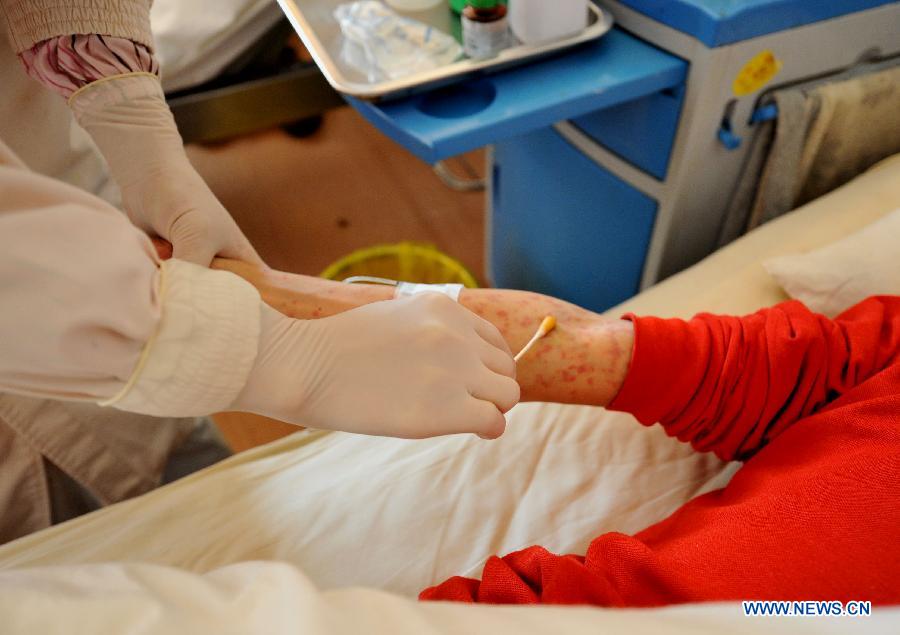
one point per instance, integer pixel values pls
(485, 28)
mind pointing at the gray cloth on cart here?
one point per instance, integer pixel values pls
(826, 133)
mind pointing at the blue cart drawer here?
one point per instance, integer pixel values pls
(616, 69)
(564, 226)
(642, 131)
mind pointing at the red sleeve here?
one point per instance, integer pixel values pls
(813, 515)
(730, 385)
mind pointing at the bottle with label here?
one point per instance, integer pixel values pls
(459, 5)
(485, 28)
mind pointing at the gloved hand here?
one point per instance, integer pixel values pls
(412, 368)
(129, 120)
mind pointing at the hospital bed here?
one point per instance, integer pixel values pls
(398, 515)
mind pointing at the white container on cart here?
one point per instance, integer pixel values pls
(535, 21)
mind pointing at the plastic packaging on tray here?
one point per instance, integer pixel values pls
(384, 45)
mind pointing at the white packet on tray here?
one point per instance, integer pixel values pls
(384, 45)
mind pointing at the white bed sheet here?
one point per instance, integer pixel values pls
(399, 515)
(275, 599)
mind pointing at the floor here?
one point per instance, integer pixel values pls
(306, 202)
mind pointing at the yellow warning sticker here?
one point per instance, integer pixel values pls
(756, 73)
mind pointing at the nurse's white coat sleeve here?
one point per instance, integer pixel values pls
(31, 21)
(89, 312)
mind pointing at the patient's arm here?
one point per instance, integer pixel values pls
(729, 385)
(584, 361)
(725, 384)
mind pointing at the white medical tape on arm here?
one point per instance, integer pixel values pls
(405, 289)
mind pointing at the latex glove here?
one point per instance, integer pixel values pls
(412, 368)
(129, 120)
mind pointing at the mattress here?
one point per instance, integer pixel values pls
(344, 511)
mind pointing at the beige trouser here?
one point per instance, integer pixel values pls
(61, 459)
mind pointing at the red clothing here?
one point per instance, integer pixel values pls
(814, 514)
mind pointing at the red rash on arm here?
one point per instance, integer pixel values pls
(583, 361)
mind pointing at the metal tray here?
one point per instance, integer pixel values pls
(321, 34)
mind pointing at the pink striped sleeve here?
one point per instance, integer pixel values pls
(66, 63)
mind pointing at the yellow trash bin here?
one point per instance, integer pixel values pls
(406, 262)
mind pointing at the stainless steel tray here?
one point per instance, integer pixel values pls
(321, 34)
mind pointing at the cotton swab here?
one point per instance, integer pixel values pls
(545, 329)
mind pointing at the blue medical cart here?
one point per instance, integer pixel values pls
(612, 164)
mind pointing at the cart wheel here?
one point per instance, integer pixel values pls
(303, 127)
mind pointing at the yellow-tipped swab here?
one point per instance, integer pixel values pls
(545, 328)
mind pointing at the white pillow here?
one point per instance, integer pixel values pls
(831, 279)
